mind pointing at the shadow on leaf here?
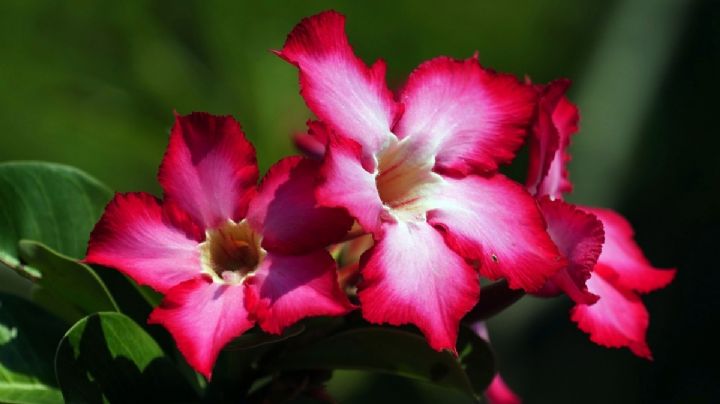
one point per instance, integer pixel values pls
(111, 364)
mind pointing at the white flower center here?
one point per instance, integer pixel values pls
(405, 180)
(231, 252)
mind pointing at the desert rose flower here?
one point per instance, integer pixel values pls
(226, 253)
(419, 174)
(606, 268)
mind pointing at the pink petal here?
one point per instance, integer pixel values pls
(564, 118)
(286, 212)
(579, 237)
(209, 168)
(203, 317)
(618, 319)
(623, 257)
(345, 183)
(411, 277)
(313, 143)
(474, 118)
(494, 220)
(336, 84)
(144, 241)
(544, 137)
(499, 393)
(285, 289)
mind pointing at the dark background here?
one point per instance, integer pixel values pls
(93, 84)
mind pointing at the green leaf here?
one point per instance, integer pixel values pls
(394, 351)
(28, 337)
(107, 357)
(68, 280)
(257, 338)
(56, 207)
(54, 204)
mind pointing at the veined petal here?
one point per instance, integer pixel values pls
(286, 213)
(579, 236)
(494, 220)
(337, 85)
(209, 168)
(623, 258)
(203, 317)
(617, 319)
(411, 277)
(474, 118)
(285, 289)
(544, 136)
(144, 241)
(345, 183)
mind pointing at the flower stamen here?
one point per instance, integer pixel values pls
(404, 179)
(231, 252)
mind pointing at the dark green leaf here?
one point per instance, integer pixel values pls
(65, 278)
(254, 339)
(51, 203)
(236, 367)
(477, 359)
(126, 292)
(107, 357)
(28, 337)
(394, 351)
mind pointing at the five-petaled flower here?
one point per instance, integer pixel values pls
(606, 268)
(225, 252)
(420, 174)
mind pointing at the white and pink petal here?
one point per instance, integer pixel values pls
(346, 183)
(203, 316)
(145, 241)
(209, 169)
(337, 86)
(494, 220)
(473, 118)
(286, 289)
(623, 259)
(618, 319)
(410, 276)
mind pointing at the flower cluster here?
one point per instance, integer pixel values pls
(416, 172)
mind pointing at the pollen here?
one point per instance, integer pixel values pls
(231, 252)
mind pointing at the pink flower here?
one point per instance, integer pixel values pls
(606, 269)
(226, 253)
(420, 175)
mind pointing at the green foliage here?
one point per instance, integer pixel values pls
(64, 279)
(50, 203)
(399, 352)
(48, 213)
(28, 337)
(107, 357)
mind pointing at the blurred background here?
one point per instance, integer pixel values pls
(94, 84)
